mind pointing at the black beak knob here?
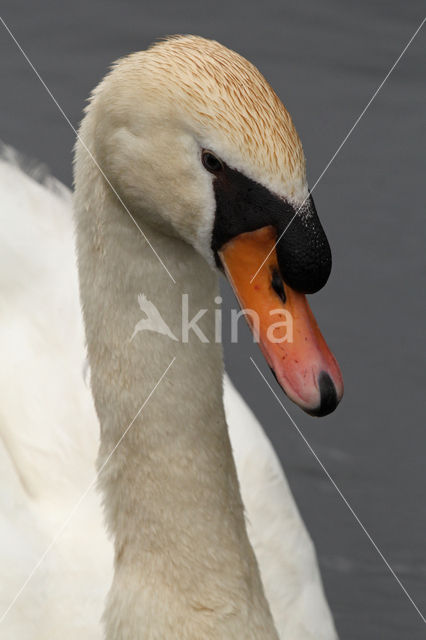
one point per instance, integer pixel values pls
(303, 253)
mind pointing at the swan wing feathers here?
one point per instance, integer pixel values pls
(44, 400)
(48, 426)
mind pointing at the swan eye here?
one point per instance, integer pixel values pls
(211, 163)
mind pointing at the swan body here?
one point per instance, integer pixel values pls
(49, 426)
(48, 456)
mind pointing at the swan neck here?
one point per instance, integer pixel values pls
(172, 501)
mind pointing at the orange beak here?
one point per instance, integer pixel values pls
(283, 323)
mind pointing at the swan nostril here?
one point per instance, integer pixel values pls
(278, 285)
(328, 394)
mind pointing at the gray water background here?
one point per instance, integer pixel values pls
(324, 59)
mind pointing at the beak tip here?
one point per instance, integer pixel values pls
(329, 399)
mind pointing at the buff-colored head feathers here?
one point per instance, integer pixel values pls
(230, 106)
(149, 118)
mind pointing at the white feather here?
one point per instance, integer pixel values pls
(49, 439)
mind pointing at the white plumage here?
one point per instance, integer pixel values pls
(49, 441)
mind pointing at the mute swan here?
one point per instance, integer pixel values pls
(183, 564)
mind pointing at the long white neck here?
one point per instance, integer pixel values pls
(183, 565)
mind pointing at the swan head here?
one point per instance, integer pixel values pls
(195, 141)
